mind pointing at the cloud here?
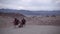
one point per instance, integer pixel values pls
(31, 4)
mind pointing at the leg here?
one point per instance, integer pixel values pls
(20, 26)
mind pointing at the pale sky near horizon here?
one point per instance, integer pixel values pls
(31, 4)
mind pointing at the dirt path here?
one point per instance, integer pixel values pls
(32, 29)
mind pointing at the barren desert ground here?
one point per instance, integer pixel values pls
(32, 20)
(34, 25)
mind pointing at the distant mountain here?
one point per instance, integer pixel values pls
(27, 12)
(11, 15)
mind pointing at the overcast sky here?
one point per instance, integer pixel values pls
(31, 4)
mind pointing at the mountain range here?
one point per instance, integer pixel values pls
(27, 12)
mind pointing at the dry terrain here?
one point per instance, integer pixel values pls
(43, 20)
(34, 25)
(6, 21)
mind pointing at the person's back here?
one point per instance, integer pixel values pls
(23, 21)
(16, 22)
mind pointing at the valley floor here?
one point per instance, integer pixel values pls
(31, 29)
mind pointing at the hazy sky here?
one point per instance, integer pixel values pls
(31, 4)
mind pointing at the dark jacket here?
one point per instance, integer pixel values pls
(23, 21)
(16, 21)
